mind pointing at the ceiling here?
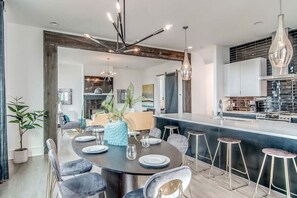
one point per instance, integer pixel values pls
(92, 58)
(221, 22)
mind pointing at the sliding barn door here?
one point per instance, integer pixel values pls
(171, 93)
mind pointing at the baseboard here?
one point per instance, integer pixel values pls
(33, 151)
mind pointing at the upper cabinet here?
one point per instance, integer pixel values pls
(242, 78)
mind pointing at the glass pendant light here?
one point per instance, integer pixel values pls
(186, 68)
(281, 50)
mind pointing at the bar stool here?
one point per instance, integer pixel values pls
(281, 154)
(230, 142)
(170, 128)
(198, 134)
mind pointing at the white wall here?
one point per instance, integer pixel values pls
(24, 78)
(71, 76)
(149, 76)
(122, 80)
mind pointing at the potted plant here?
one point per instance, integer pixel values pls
(130, 101)
(25, 120)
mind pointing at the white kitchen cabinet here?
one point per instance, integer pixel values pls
(242, 78)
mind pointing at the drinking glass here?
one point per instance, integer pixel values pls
(99, 138)
(131, 152)
(145, 141)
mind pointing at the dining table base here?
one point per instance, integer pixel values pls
(118, 184)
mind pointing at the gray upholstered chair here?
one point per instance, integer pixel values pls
(155, 132)
(69, 125)
(85, 185)
(179, 141)
(171, 183)
(70, 168)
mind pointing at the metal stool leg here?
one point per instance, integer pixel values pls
(171, 131)
(196, 153)
(230, 164)
(207, 147)
(177, 131)
(164, 133)
(259, 177)
(287, 178)
(295, 165)
(271, 175)
(214, 158)
(246, 170)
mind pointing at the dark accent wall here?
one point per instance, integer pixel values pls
(281, 91)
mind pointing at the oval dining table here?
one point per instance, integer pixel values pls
(121, 174)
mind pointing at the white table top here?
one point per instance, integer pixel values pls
(271, 128)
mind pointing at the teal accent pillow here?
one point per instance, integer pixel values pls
(66, 119)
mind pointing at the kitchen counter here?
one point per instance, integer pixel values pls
(271, 128)
(255, 135)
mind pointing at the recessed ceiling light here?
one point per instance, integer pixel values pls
(54, 23)
(190, 47)
(258, 23)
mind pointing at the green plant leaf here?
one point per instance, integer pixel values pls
(14, 121)
(11, 109)
(37, 125)
(28, 126)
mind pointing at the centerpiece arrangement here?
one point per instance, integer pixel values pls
(116, 131)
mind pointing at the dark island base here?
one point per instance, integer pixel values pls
(118, 184)
(252, 145)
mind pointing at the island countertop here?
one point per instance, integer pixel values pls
(271, 128)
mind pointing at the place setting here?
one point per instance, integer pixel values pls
(154, 161)
(99, 147)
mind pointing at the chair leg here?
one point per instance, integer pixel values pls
(164, 134)
(271, 175)
(230, 164)
(208, 148)
(287, 178)
(212, 164)
(259, 177)
(244, 163)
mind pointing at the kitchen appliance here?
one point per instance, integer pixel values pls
(275, 116)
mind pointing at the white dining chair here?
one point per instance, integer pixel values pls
(170, 183)
(84, 185)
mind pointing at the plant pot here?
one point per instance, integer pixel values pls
(116, 133)
(20, 156)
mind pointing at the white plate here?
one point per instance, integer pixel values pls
(133, 133)
(95, 149)
(154, 160)
(153, 140)
(85, 138)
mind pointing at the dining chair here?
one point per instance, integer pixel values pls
(155, 132)
(69, 125)
(170, 183)
(84, 185)
(70, 168)
(180, 142)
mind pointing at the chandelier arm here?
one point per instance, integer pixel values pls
(147, 37)
(98, 42)
(124, 18)
(121, 25)
(121, 37)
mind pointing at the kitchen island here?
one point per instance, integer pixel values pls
(255, 135)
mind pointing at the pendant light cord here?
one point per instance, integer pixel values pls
(186, 43)
(280, 7)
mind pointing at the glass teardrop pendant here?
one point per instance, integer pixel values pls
(186, 69)
(281, 50)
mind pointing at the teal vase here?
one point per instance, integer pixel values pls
(116, 133)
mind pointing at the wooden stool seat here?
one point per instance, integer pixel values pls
(170, 127)
(198, 133)
(278, 153)
(228, 140)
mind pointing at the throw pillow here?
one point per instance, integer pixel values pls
(66, 119)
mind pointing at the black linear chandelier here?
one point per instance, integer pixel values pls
(120, 26)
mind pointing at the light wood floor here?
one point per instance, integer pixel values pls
(29, 180)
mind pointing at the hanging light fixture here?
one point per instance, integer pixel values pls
(120, 27)
(108, 73)
(186, 68)
(281, 50)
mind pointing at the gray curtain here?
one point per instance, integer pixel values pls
(3, 130)
(171, 93)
